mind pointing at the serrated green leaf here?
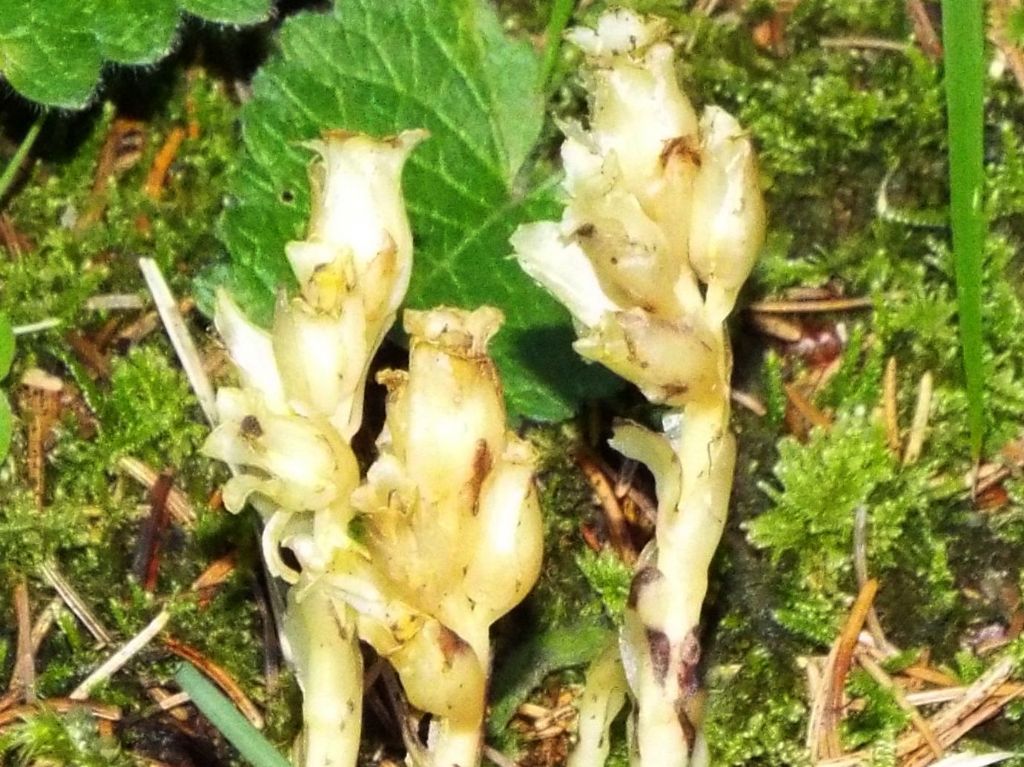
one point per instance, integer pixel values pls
(6, 345)
(228, 11)
(52, 51)
(443, 65)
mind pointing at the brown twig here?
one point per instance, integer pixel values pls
(889, 407)
(177, 504)
(13, 241)
(884, 680)
(823, 727)
(41, 405)
(156, 180)
(147, 556)
(812, 307)
(804, 407)
(122, 148)
(919, 425)
(96, 363)
(219, 676)
(924, 31)
(618, 531)
(24, 676)
(216, 573)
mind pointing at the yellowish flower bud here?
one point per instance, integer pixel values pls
(728, 211)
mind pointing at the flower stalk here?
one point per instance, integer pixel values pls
(286, 431)
(663, 224)
(448, 533)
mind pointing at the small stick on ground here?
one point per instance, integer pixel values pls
(804, 407)
(156, 180)
(177, 504)
(41, 405)
(96, 363)
(114, 302)
(946, 694)
(749, 401)
(181, 340)
(122, 656)
(24, 676)
(812, 307)
(213, 576)
(70, 596)
(867, 43)
(924, 31)
(44, 622)
(618, 531)
(919, 426)
(884, 680)
(147, 557)
(220, 677)
(892, 424)
(823, 727)
(148, 322)
(860, 566)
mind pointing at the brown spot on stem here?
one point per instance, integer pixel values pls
(482, 463)
(660, 649)
(641, 580)
(683, 147)
(451, 644)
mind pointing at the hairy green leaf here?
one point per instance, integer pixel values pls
(445, 66)
(52, 51)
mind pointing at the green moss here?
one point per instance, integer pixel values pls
(609, 577)
(878, 723)
(149, 413)
(756, 713)
(69, 740)
(808, 530)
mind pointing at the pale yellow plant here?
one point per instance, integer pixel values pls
(450, 528)
(663, 224)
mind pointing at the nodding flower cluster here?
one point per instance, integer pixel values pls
(442, 535)
(663, 223)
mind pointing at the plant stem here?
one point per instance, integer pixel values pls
(561, 12)
(964, 41)
(14, 164)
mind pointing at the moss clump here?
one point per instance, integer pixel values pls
(808, 530)
(148, 413)
(610, 579)
(756, 712)
(62, 741)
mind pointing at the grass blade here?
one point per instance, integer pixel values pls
(963, 38)
(249, 741)
(561, 12)
(10, 173)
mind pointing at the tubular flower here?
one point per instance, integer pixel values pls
(663, 222)
(286, 432)
(453, 524)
